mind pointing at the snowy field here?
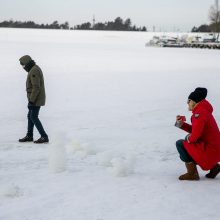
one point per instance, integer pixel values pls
(110, 113)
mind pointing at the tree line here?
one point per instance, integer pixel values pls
(117, 25)
(32, 24)
(204, 28)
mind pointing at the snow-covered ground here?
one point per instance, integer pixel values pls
(110, 113)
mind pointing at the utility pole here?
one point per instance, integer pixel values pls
(217, 19)
(93, 22)
(217, 10)
(154, 28)
(216, 3)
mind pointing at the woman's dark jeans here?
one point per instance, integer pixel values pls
(184, 156)
(33, 120)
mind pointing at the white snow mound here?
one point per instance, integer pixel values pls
(10, 191)
(57, 158)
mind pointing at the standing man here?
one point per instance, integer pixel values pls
(36, 98)
(202, 145)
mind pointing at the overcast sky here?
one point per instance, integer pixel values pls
(165, 15)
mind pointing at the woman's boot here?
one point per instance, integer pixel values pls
(213, 172)
(192, 172)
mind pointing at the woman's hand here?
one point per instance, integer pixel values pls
(179, 121)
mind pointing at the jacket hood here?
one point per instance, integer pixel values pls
(25, 60)
(204, 104)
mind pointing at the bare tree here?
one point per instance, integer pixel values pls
(214, 16)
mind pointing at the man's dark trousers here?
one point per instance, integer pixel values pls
(33, 120)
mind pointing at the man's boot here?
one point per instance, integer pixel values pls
(42, 140)
(26, 139)
(213, 172)
(192, 172)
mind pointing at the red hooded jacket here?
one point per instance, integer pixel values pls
(203, 144)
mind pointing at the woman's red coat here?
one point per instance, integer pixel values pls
(203, 144)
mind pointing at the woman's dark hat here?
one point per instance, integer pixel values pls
(198, 95)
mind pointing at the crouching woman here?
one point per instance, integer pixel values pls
(202, 145)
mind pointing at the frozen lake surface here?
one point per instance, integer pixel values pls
(110, 113)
